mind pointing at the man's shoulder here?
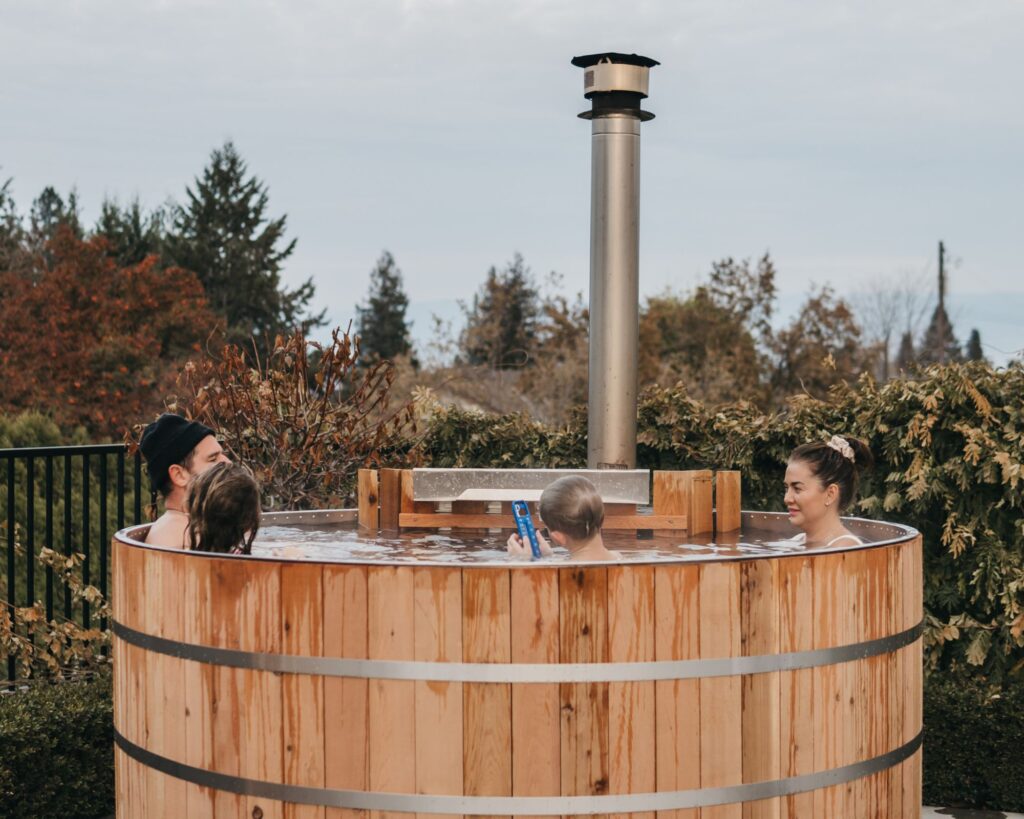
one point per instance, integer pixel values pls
(168, 530)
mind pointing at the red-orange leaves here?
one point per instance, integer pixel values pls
(93, 343)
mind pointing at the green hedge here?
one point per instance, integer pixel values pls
(973, 736)
(57, 751)
(949, 447)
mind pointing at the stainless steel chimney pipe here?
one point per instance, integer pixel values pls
(615, 83)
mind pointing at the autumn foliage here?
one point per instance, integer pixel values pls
(304, 419)
(96, 342)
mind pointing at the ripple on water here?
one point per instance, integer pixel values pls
(346, 544)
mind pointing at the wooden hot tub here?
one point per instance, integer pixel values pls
(787, 686)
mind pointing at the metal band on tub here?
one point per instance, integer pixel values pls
(519, 805)
(519, 672)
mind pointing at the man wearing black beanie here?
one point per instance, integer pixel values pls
(176, 450)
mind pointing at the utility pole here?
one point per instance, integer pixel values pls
(942, 276)
(941, 313)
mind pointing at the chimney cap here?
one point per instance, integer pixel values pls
(588, 60)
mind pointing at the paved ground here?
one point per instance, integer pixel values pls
(965, 813)
(948, 813)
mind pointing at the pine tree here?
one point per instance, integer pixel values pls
(974, 350)
(131, 234)
(939, 345)
(49, 213)
(501, 324)
(906, 358)
(226, 237)
(383, 330)
(12, 234)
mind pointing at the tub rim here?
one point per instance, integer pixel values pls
(898, 533)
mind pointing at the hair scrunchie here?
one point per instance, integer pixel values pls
(842, 446)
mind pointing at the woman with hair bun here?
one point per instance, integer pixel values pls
(821, 482)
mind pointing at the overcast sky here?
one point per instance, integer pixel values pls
(846, 138)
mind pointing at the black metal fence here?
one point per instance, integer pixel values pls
(70, 499)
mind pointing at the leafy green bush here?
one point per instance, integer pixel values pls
(972, 740)
(57, 756)
(949, 454)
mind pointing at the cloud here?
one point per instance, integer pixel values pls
(846, 137)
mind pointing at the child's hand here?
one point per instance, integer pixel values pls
(516, 547)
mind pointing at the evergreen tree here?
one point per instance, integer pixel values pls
(226, 237)
(49, 212)
(501, 324)
(383, 330)
(939, 345)
(132, 234)
(12, 234)
(974, 351)
(906, 357)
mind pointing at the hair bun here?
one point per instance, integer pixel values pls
(863, 459)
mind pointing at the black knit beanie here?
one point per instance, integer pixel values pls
(167, 441)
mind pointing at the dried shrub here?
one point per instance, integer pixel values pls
(55, 648)
(304, 420)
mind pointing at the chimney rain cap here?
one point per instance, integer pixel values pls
(588, 60)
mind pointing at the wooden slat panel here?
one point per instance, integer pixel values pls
(131, 719)
(670, 495)
(583, 615)
(172, 622)
(475, 509)
(700, 514)
(631, 705)
(487, 707)
(796, 688)
(118, 588)
(830, 607)
(199, 684)
(346, 700)
(619, 513)
(302, 695)
(415, 520)
(392, 722)
(854, 629)
(438, 638)
(390, 498)
(727, 501)
(410, 506)
(368, 496)
(912, 709)
(536, 741)
(257, 619)
(677, 618)
(221, 628)
(894, 722)
(759, 618)
(152, 676)
(721, 698)
(121, 779)
(874, 691)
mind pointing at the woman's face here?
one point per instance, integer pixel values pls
(807, 499)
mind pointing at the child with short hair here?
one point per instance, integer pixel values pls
(223, 506)
(572, 511)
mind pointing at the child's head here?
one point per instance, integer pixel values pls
(224, 509)
(572, 507)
